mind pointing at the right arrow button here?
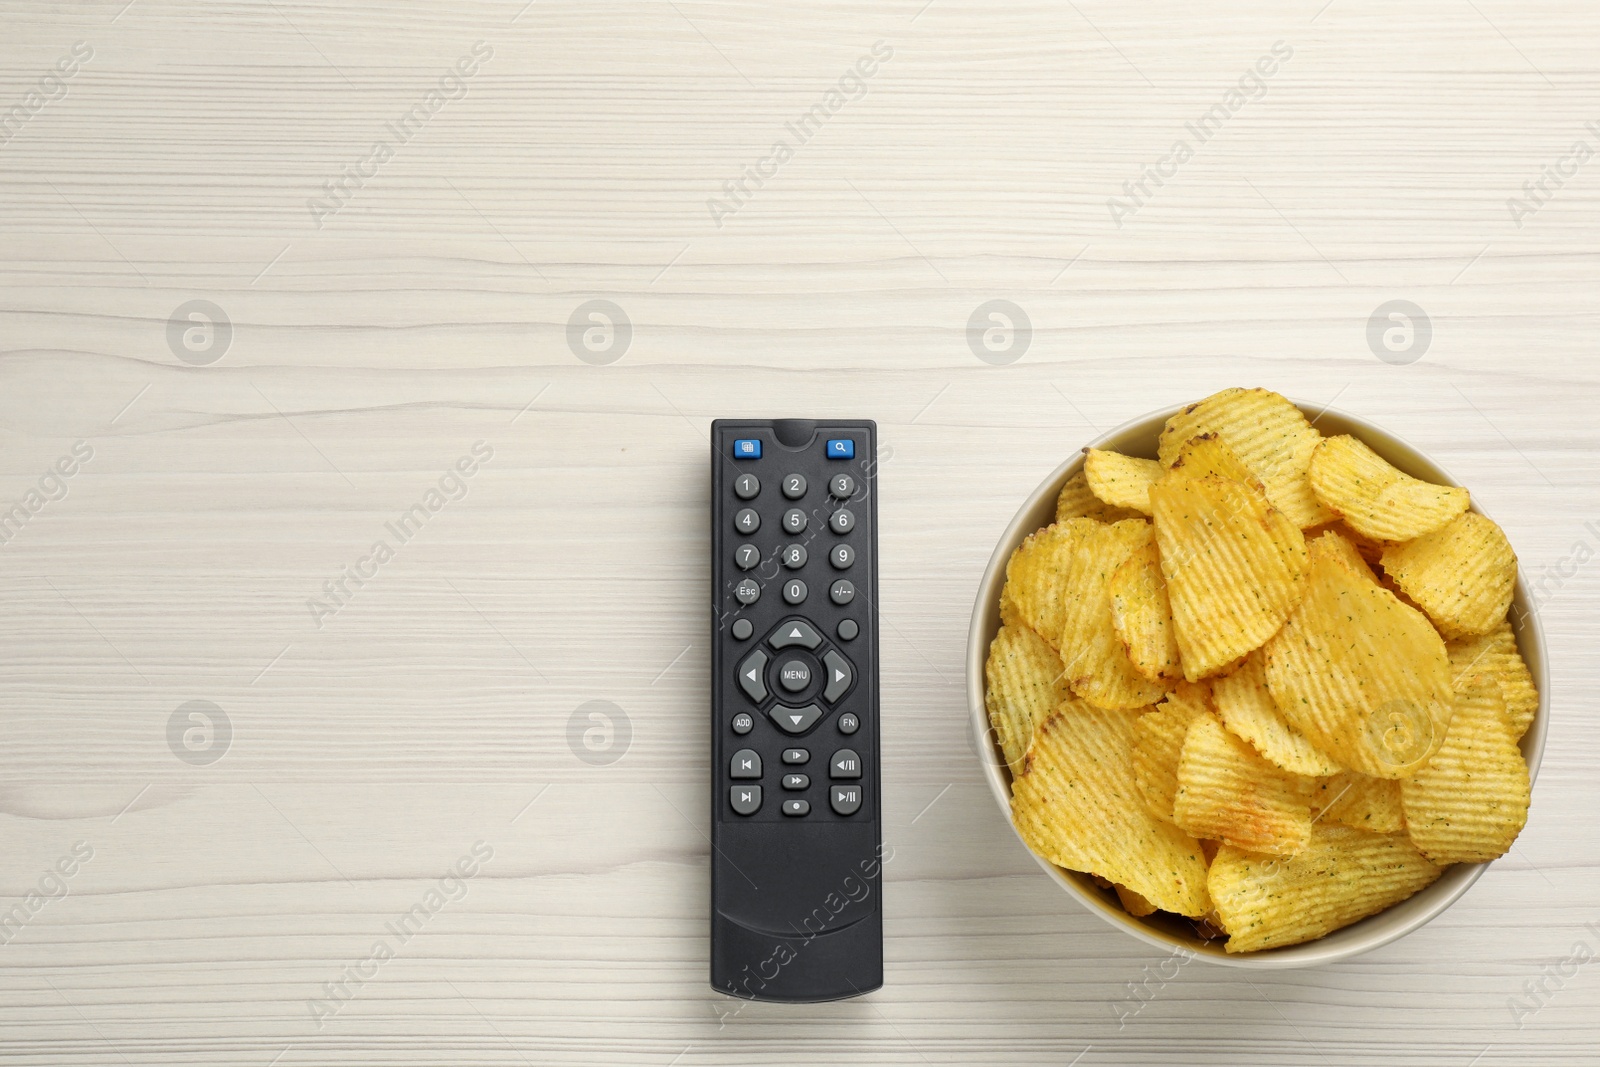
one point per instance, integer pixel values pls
(840, 675)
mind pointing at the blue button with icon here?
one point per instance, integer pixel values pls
(747, 448)
(845, 449)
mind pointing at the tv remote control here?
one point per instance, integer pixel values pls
(796, 879)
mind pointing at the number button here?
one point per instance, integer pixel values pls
(794, 520)
(746, 486)
(841, 556)
(794, 591)
(843, 521)
(794, 556)
(747, 521)
(746, 556)
(794, 486)
(841, 486)
(842, 592)
(747, 592)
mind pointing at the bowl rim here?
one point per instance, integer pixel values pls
(1406, 916)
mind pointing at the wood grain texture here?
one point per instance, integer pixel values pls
(430, 312)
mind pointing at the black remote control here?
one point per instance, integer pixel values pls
(796, 872)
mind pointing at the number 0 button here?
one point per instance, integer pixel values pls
(843, 521)
(842, 592)
(794, 591)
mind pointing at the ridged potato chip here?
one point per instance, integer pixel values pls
(1121, 481)
(1462, 574)
(1235, 567)
(1471, 800)
(1343, 876)
(1096, 663)
(1024, 685)
(1035, 576)
(1496, 653)
(1141, 614)
(1076, 501)
(1246, 706)
(1361, 801)
(1133, 903)
(1210, 454)
(1228, 793)
(1375, 498)
(1268, 433)
(1360, 675)
(1077, 806)
(1157, 741)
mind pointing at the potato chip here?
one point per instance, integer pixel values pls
(1471, 800)
(1209, 454)
(1247, 709)
(1133, 903)
(1375, 498)
(1496, 653)
(1361, 801)
(1362, 676)
(1024, 685)
(1157, 741)
(1461, 574)
(1035, 576)
(1271, 437)
(1121, 481)
(1343, 875)
(1076, 501)
(1228, 793)
(1235, 567)
(1077, 806)
(1096, 663)
(1141, 614)
(1335, 539)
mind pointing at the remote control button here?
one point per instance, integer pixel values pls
(746, 799)
(845, 799)
(746, 764)
(746, 556)
(842, 486)
(794, 591)
(794, 556)
(841, 556)
(747, 521)
(795, 633)
(752, 676)
(839, 673)
(837, 449)
(846, 764)
(794, 521)
(847, 630)
(795, 755)
(843, 521)
(796, 807)
(746, 486)
(848, 723)
(842, 592)
(747, 448)
(747, 592)
(742, 629)
(795, 720)
(794, 675)
(744, 722)
(794, 486)
(796, 781)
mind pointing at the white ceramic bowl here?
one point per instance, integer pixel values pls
(1138, 438)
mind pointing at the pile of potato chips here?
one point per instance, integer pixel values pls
(1265, 681)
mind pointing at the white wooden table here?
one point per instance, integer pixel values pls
(397, 290)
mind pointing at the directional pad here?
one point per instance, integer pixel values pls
(839, 674)
(752, 676)
(795, 720)
(795, 632)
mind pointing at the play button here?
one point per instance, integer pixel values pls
(795, 720)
